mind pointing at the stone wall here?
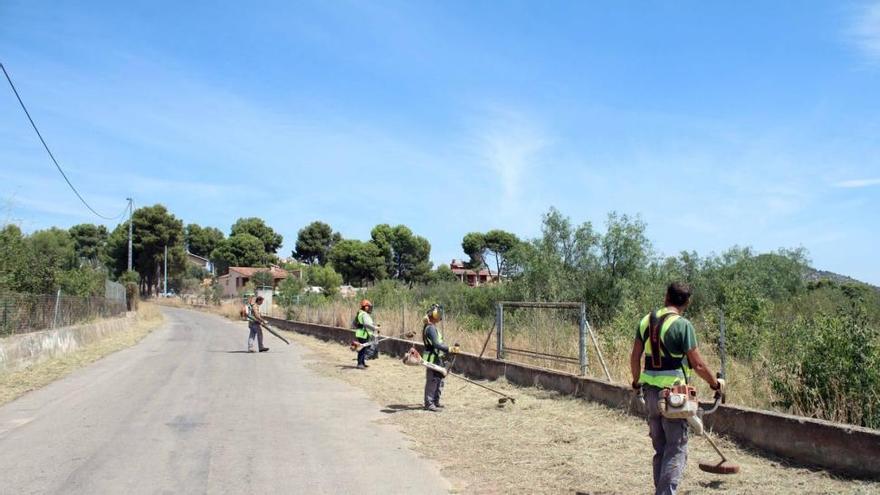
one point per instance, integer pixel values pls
(20, 350)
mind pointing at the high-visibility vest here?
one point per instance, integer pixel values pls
(362, 331)
(662, 368)
(431, 353)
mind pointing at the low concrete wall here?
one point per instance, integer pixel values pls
(840, 448)
(19, 351)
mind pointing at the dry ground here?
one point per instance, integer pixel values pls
(546, 443)
(17, 383)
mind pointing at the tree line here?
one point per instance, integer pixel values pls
(818, 339)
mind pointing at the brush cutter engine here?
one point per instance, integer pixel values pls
(678, 402)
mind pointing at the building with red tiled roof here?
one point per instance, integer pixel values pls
(470, 276)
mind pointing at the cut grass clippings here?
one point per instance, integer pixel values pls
(16, 383)
(547, 442)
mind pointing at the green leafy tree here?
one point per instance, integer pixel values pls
(624, 255)
(314, 242)
(324, 277)
(358, 262)
(257, 227)
(474, 245)
(48, 253)
(202, 241)
(90, 241)
(407, 256)
(263, 278)
(13, 256)
(289, 292)
(555, 266)
(239, 250)
(154, 229)
(443, 274)
(82, 281)
(500, 244)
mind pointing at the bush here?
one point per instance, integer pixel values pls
(828, 366)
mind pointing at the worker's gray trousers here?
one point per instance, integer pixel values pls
(433, 387)
(670, 439)
(256, 333)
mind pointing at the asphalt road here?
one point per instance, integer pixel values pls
(187, 411)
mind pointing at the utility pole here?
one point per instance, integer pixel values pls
(165, 283)
(130, 208)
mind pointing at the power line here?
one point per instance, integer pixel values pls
(46, 146)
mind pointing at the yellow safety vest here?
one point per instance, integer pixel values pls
(362, 331)
(665, 368)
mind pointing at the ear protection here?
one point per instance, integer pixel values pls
(435, 313)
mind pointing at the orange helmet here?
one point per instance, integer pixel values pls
(365, 303)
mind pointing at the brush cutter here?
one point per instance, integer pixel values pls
(680, 402)
(413, 358)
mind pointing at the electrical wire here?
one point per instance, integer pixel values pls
(46, 146)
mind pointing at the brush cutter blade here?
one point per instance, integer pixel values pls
(721, 467)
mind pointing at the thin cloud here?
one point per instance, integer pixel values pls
(510, 145)
(855, 183)
(866, 31)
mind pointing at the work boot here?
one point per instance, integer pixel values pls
(264, 349)
(432, 408)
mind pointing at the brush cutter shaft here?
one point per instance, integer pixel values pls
(357, 346)
(273, 332)
(435, 367)
(712, 443)
(482, 386)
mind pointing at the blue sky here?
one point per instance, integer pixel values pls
(737, 123)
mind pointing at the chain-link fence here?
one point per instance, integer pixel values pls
(23, 313)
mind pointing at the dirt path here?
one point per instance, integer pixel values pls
(547, 443)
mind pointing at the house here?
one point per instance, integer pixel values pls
(239, 276)
(472, 277)
(203, 263)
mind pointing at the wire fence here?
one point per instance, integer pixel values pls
(542, 336)
(24, 313)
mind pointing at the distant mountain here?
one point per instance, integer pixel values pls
(815, 275)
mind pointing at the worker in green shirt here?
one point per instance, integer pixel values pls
(669, 344)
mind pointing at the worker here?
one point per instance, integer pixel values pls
(435, 353)
(365, 329)
(669, 344)
(255, 322)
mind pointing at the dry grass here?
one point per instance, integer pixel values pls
(546, 443)
(17, 383)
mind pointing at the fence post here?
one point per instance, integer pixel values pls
(57, 304)
(499, 328)
(583, 340)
